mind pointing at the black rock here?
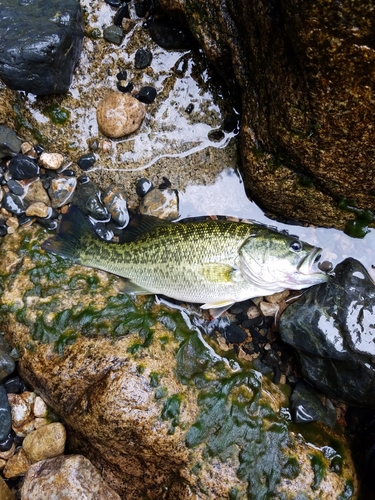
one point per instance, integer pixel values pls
(125, 88)
(23, 167)
(234, 334)
(7, 365)
(249, 322)
(88, 198)
(142, 59)
(231, 124)
(38, 149)
(12, 384)
(122, 75)
(69, 172)
(14, 204)
(7, 442)
(307, 407)
(146, 95)
(85, 162)
(122, 13)
(114, 3)
(103, 232)
(3, 230)
(141, 8)
(143, 187)
(189, 108)
(113, 34)
(171, 35)
(83, 179)
(40, 43)
(240, 307)
(24, 219)
(10, 143)
(216, 135)
(331, 326)
(15, 187)
(166, 184)
(49, 224)
(5, 415)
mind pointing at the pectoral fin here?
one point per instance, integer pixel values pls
(124, 285)
(217, 308)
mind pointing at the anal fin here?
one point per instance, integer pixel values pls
(124, 285)
(217, 308)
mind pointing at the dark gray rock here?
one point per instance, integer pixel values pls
(142, 58)
(40, 43)
(307, 407)
(5, 415)
(332, 328)
(23, 167)
(14, 204)
(10, 143)
(88, 199)
(7, 365)
(113, 34)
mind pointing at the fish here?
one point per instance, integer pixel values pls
(214, 263)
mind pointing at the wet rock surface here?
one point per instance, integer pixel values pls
(148, 393)
(71, 476)
(332, 329)
(305, 85)
(40, 44)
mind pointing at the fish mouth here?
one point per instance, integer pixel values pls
(307, 264)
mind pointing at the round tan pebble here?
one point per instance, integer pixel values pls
(40, 408)
(52, 161)
(38, 209)
(46, 442)
(119, 114)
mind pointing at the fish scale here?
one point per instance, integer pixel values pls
(213, 262)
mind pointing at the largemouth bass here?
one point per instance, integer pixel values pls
(214, 263)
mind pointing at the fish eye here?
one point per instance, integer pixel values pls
(296, 246)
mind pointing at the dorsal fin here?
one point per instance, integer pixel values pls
(140, 224)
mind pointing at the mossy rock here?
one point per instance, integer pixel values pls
(150, 400)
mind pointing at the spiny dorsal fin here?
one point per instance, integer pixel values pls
(140, 224)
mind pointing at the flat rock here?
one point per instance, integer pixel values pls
(69, 476)
(40, 43)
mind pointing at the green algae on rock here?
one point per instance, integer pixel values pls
(169, 419)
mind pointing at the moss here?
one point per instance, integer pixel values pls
(57, 114)
(233, 422)
(319, 468)
(155, 379)
(171, 411)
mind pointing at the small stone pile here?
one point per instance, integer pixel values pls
(36, 186)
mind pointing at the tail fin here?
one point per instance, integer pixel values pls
(73, 227)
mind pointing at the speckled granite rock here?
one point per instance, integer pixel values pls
(71, 476)
(307, 98)
(40, 43)
(146, 398)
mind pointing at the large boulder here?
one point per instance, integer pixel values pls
(304, 70)
(40, 43)
(331, 327)
(147, 398)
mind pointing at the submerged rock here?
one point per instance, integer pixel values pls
(331, 326)
(119, 114)
(146, 398)
(40, 43)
